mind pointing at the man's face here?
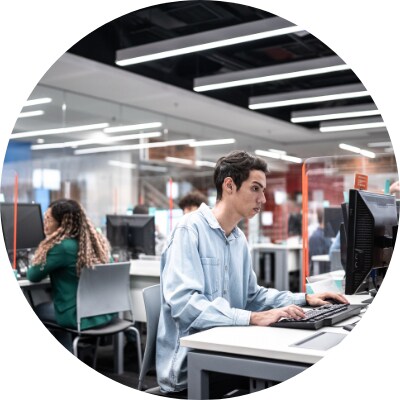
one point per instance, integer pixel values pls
(249, 199)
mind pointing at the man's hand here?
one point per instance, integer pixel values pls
(319, 299)
(265, 318)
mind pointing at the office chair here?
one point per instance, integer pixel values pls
(104, 289)
(152, 304)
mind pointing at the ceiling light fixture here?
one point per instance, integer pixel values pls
(279, 72)
(35, 102)
(130, 147)
(122, 164)
(127, 128)
(210, 164)
(96, 140)
(57, 131)
(331, 113)
(352, 124)
(308, 96)
(380, 144)
(177, 160)
(31, 114)
(278, 156)
(355, 149)
(240, 33)
(215, 142)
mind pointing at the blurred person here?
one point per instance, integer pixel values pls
(192, 201)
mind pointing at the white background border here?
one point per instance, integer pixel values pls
(34, 34)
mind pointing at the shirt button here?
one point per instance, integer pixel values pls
(226, 267)
(224, 291)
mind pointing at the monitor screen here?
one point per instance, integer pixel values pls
(29, 225)
(333, 217)
(371, 234)
(134, 233)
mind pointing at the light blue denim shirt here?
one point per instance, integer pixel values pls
(207, 280)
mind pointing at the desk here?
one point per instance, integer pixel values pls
(261, 353)
(27, 287)
(316, 260)
(281, 254)
(143, 273)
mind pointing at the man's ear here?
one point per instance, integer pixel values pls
(229, 184)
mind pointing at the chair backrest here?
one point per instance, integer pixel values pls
(152, 304)
(104, 289)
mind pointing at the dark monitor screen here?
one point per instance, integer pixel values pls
(333, 217)
(29, 225)
(135, 233)
(371, 234)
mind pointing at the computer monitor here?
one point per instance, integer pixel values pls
(29, 225)
(333, 217)
(371, 236)
(133, 233)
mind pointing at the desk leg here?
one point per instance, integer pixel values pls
(281, 270)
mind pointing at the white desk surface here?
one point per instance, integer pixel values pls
(276, 246)
(145, 268)
(25, 283)
(264, 342)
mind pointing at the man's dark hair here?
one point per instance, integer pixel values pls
(194, 198)
(236, 165)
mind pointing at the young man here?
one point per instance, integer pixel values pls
(207, 278)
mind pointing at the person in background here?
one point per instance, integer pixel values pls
(318, 243)
(71, 244)
(207, 278)
(395, 188)
(140, 209)
(192, 201)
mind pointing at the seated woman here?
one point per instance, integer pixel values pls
(71, 243)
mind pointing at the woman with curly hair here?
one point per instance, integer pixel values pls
(71, 243)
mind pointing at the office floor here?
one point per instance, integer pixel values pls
(105, 364)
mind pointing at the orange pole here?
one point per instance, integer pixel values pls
(304, 188)
(15, 222)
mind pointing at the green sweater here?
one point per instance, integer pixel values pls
(61, 267)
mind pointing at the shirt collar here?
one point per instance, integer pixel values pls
(206, 212)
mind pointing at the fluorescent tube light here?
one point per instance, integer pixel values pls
(352, 124)
(357, 150)
(210, 164)
(278, 156)
(240, 33)
(253, 76)
(216, 142)
(31, 114)
(57, 131)
(130, 147)
(127, 128)
(122, 164)
(331, 113)
(34, 102)
(179, 160)
(308, 96)
(96, 140)
(380, 144)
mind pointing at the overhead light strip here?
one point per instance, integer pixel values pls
(357, 150)
(57, 131)
(352, 124)
(127, 128)
(278, 156)
(308, 96)
(236, 34)
(215, 142)
(122, 164)
(133, 147)
(177, 160)
(332, 113)
(34, 102)
(105, 140)
(270, 74)
(29, 114)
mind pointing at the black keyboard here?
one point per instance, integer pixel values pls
(326, 315)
